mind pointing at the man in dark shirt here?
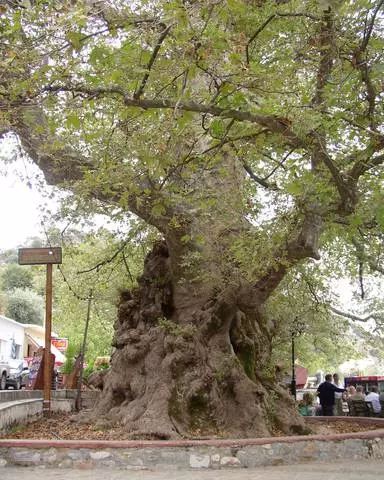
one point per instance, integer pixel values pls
(326, 393)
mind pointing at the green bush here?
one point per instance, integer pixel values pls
(71, 353)
(25, 306)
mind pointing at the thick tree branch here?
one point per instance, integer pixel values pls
(106, 260)
(327, 48)
(62, 165)
(155, 52)
(361, 279)
(365, 161)
(269, 20)
(127, 267)
(280, 164)
(256, 178)
(319, 152)
(347, 190)
(363, 256)
(119, 18)
(354, 317)
(273, 123)
(360, 62)
(58, 162)
(304, 243)
(369, 29)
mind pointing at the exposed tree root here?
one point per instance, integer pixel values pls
(205, 374)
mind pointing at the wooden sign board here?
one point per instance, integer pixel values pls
(39, 256)
(36, 370)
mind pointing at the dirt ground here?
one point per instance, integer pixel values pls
(63, 426)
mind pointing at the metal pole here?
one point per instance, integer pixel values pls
(47, 350)
(82, 353)
(293, 382)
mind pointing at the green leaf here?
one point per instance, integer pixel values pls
(158, 209)
(380, 216)
(116, 75)
(217, 127)
(73, 121)
(98, 55)
(75, 39)
(294, 188)
(185, 239)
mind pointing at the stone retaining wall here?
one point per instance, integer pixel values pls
(23, 411)
(21, 406)
(13, 395)
(195, 454)
(88, 397)
(16, 395)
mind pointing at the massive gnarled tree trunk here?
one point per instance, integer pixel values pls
(193, 349)
(182, 118)
(192, 361)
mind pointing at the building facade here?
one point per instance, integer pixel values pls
(18, 341)
(12, 336)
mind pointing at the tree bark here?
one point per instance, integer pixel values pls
(189, 365)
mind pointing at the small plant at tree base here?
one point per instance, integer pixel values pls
(70, 358)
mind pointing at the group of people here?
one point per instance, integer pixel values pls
(336, 400)
(372, 396)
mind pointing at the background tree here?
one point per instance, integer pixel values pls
(25, 306)
(99, 260)
(248, 135)
(15, 276)
(20, 300)
(8, 256)
(104, 264)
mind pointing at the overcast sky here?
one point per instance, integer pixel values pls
(19, 203)
(19, 215)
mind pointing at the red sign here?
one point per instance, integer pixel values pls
(60, 343)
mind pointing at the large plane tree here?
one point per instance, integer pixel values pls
(248, 133)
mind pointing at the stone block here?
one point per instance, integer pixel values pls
(100, 455)
(25, 456)
(199, 461)
(49, 456)
(80, 454)
(230, 462)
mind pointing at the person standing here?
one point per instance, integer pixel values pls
(374, 397)
(338, 407)
(359, 394)
(326, 393)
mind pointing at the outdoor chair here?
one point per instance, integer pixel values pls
(360, 408)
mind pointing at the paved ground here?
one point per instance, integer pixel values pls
(362, 470)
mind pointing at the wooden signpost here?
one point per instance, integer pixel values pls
(44, 256)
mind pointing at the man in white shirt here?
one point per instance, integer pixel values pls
(374, 397)
(338, 406)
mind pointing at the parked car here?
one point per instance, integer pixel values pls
(17, 378)
(4, 373)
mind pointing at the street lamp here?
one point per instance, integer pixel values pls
(297, 328)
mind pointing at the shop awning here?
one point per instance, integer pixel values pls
(59, 357)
